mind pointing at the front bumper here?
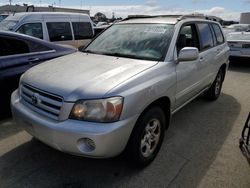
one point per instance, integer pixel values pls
(69, 136)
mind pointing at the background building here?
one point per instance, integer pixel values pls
(245, 18)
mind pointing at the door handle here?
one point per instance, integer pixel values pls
(201, 59)
(218, 51)
(32, 60)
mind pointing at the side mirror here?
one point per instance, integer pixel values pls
(188, 54)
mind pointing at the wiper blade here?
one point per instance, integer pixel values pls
(116, 54)
(90, 51)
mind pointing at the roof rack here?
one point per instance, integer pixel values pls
(178, 17)
(150, 16)
(193, 16)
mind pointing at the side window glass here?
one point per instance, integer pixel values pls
(205, 36)
(82, 30)
(218, 34)
(11, 46)
(59, 31)
(188, 37)
(32, 29)
(36, 47)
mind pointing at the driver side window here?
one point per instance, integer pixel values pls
(32, 29)
(188, 37)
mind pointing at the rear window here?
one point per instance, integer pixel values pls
(59, 31)
(82, 30)
(218, 34)
(206, 36)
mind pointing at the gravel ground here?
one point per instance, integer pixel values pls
(200, 150)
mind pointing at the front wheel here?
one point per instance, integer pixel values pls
(147, 137)
(214, 91)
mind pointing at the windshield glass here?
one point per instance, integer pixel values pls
(7, 25)
(2, 17)
(238, 36)
(138, 41)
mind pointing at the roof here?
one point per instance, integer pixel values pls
(18, 16)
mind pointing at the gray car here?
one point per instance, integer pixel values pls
(239, 43)
(119, 94)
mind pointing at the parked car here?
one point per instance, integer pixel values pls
(237, 28)
(18, 53)
(73, 29)
(239, 43)
(119, 94)
(245, 140)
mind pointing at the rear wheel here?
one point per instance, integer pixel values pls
(214, 91)
(147, 137)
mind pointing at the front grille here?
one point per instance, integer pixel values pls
(41, 101)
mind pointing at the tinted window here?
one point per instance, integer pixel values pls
(36, 47)
(205, 36)
(12, 46)
(218, 34)
(32, 29)
(59, 31)
(188, 37)
(82, 30)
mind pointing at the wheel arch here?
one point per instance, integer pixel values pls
(165, 104)
(224, 69)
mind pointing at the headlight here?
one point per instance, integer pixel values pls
(101, 110)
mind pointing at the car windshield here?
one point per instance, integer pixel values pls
(2, 17)
(240, 36)
(137, 41)
(7, 25)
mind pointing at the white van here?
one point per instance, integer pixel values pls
(73, 29)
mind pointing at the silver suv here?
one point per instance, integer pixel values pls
(120, 92)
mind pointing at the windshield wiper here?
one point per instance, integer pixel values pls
(116, 54)
(89, 51)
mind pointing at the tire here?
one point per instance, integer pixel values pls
(147, 137)
(214, 91)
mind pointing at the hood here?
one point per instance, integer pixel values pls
(83, 76)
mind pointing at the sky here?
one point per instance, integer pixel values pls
(226, 9)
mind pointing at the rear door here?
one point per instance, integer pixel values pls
(83, 32)
(208, 53)
(220, 49)
(59, 29)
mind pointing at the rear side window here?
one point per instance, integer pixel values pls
(59, 31)
(36, 47)
(82, 30)
(218, 34)
(206, 36)
(11, 46)
(32, 29)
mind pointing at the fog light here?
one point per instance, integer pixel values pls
(86, 145)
